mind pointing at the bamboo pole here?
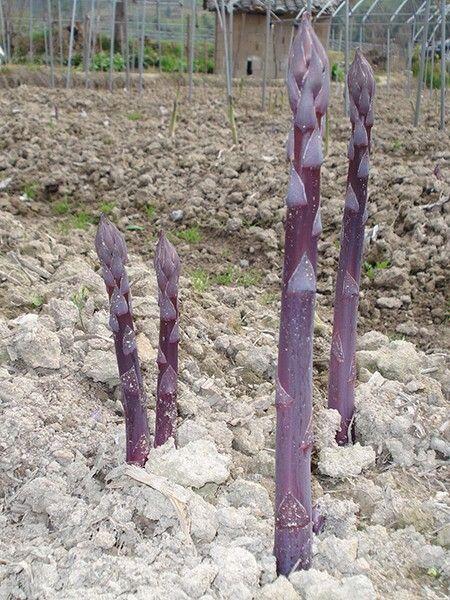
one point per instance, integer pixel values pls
(50, 43)
(443, 67)
(191, 49)
(158, 28)
(111, 46)
(72, 33)
(388, 59)
(60, 36)
(346, 52)
(422, 64)
(266, 58)
(141, 49)
(127, 45)
(31, 44)
(231, 38)
(181, 38)
(4, 35)
(91, 34)
(433, 50)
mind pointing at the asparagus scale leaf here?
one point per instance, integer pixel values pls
(112, 252)
(341, 384)
(308, 88)
(167, 267)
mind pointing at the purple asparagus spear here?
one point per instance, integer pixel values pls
(112, 252)
(308, 87)
(341, 385)
(167, 266)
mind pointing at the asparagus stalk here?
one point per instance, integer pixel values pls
(112, 252)
(167, 266)
(341, 385)
(308, 88)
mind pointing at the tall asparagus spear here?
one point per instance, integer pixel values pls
(112, 252)
(308, 87)
(341, 385)
(167, 266)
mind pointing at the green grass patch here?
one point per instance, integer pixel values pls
(61, 208)
(231, 276)
(150, 211)
(107, 207)
(370, 269)
(134, 116)
(30, 190)
(191, 235)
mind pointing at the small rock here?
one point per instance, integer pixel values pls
(280, 589)
(372, 340)
(387, 302)
(193, 465)
(177, 215)
(400, 361)
(443, 536)
(346, 461)
(101, 365)
(252, 495)
(36, 345)
(197, 581)
(238, 573)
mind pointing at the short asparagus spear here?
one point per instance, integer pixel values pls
(308, 87)
(112, 252)
(167, 266)
(341, 385)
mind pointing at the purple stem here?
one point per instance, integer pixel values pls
(308, 87)
(167, 266)
(112, 252)
(341, 385)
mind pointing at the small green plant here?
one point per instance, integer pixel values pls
(36, 301)
(269, 298)
(337, 72)
(100, 62)
(79, 299)
(30, 190)
(397, 144)
(134, 116)
(249, 278)
(107, 207)
(82, 220)
(150, 211)
(191, 235)
(370, 269)
(62, 207)
(226, 277)
(200, 280)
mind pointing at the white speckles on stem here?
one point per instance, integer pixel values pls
(349, 287)
(130, 383)
(317, 225)
(291, 513)
(363, 169)
(303, 279)
(360, 134)
(296, 195)
(313, 156)
(282, 398)
(168, 383)
(351, 202)
(128, 341)
(119, 305)
(336, 348)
